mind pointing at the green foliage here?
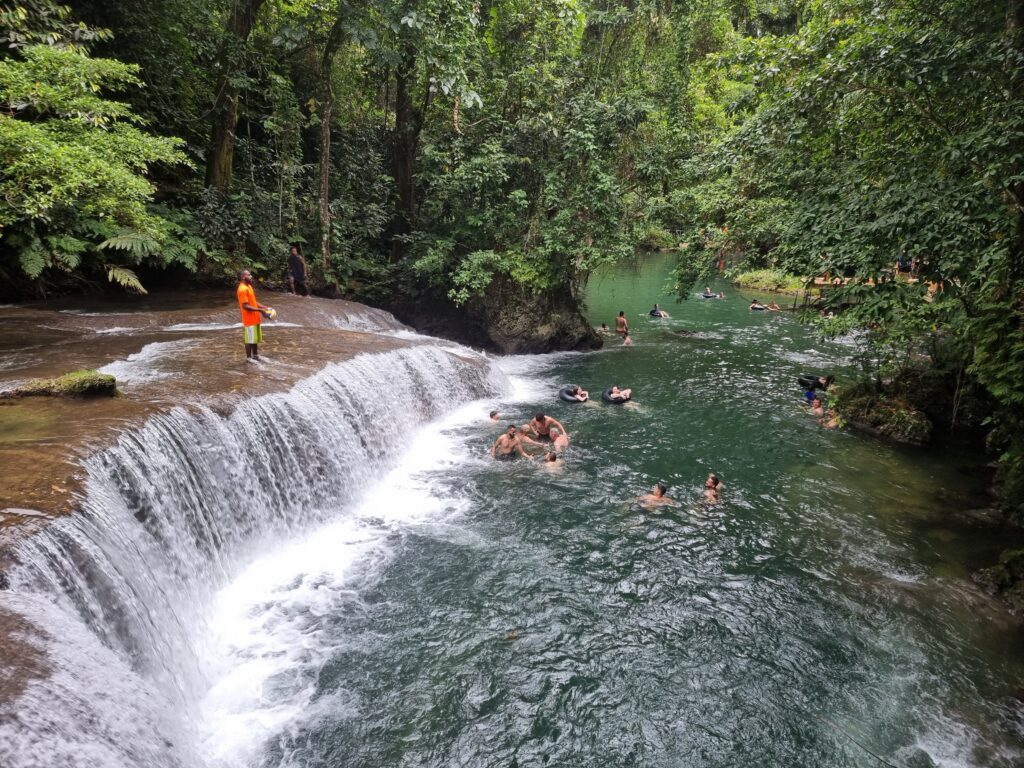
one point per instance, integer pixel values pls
(74, 184)
(769, 280)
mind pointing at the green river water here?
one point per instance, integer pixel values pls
(819, 614)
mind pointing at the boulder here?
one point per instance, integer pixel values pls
(84, 383)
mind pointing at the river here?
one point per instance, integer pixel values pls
(455, 611)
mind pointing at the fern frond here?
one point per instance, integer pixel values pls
(137, 244)
(126, 278)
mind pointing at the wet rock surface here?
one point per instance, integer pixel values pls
(164, 351)
(507, 320)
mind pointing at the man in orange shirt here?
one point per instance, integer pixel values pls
(252, 311)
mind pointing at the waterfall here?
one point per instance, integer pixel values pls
(116, 593)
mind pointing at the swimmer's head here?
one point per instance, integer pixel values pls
(555, 432)
(659, 489)
(511, 429)
(622, 313)
(604, 326)
(550, 456)
(493, 414)
(539, 416)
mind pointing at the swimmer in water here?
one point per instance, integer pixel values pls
(560, 441)
(579, 393)
(773, 306)
(713, 488)
(708, 293)
(523, 436)
(506, 446)
(656, 497)
(604, 330)
(541, 426)
(627, 341)
(494, 416)
(621, 324)
(658, 312)
(816, 407)
(756, 305)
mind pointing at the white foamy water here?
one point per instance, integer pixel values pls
(117, 330)
(148, 364)
(267, 631)
(188, 327)
(180, 507)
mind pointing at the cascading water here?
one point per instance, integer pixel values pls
(120, 592)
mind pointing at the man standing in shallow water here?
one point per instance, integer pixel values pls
(252, 313)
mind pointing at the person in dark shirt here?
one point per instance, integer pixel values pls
(297, 272)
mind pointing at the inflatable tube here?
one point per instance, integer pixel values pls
(607, 397)
(566, 396)
(810, 381)
(758, 309)
(709, 295)
(659, 313)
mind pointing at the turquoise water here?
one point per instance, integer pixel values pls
(818, 614)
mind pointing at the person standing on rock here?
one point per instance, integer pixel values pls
(252, 313)
(297, 272)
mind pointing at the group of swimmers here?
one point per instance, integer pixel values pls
(713, 488)
(541, 432)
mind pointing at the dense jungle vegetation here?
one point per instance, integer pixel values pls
(440, 149)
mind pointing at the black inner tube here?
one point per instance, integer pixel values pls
(607, 397)
(810, 381)
(565, 394)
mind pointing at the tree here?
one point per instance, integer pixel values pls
(73, 188)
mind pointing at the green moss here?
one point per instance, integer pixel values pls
(769, 280)
(84, 383)
(884, 414)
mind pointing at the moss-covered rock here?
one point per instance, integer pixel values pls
(1006, 579)
(84, 383)
(774, 280)
(883, 414)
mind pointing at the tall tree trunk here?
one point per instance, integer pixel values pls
(220, 163)
(404, 159)
(1015, 27)
(405, 144)
(326, 116)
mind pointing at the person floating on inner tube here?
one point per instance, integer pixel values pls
(708, 293)
(658, 312)
(619, 395)
(773, 306)
(507, 445)
(755, 305)
(579, 393)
